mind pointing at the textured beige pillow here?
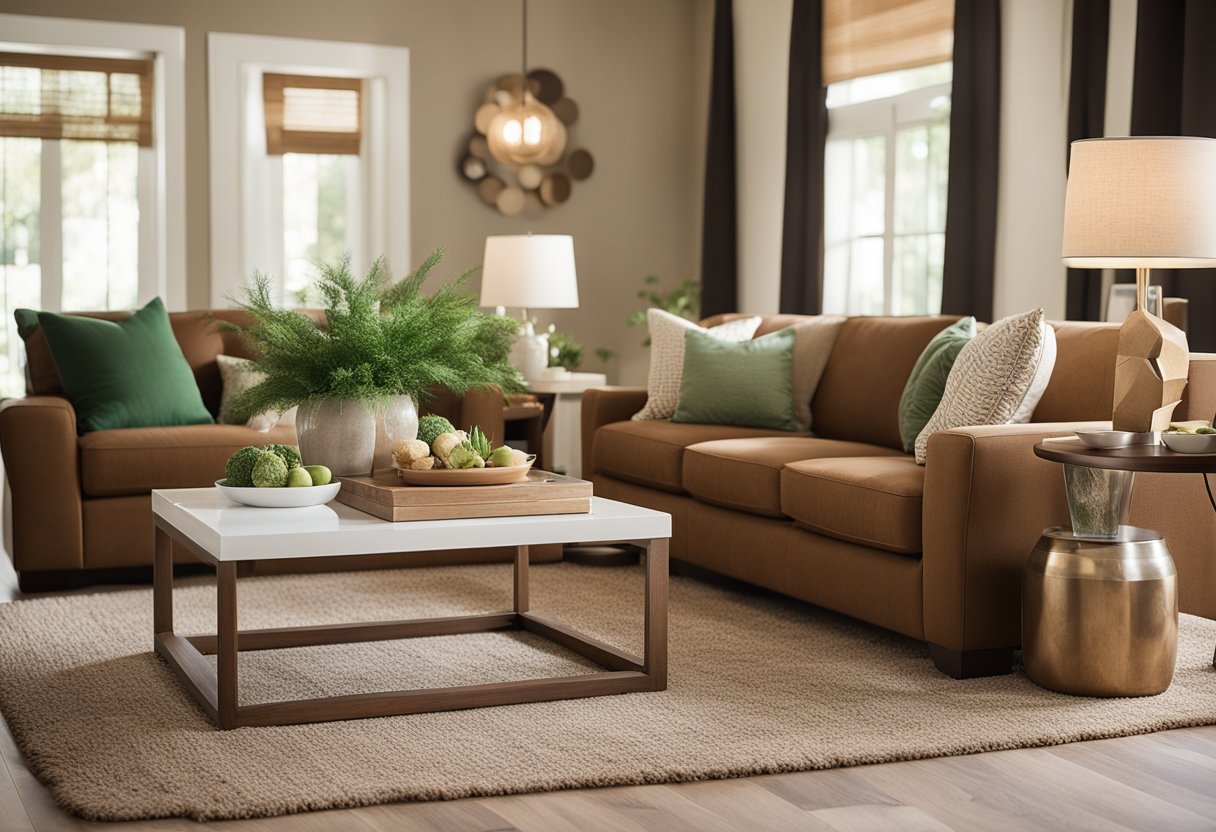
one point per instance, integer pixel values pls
(667, 357)
(238, 375)
(998, 377)
(813, 342)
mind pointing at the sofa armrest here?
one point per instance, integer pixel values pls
(41, 462)
(1199, 397)
(987, 499)
(603, 406)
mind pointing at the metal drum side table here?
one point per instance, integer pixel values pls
(1100, 599)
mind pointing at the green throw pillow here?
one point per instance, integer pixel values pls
(923, 392)
(123, 374)
(744, 383)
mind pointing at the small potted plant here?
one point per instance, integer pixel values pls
(382, 346)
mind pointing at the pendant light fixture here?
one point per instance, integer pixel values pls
(526, 131)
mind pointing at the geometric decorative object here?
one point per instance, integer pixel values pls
(521, 138)
(1143, 203)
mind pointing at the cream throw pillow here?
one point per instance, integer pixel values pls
(813, 342)
(667, 357)
(237, 376)
(998, 377)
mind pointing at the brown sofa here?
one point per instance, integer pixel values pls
(82, 502)
(844, 519)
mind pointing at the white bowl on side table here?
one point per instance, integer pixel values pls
(287, 497)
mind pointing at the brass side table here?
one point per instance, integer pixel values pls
(1100, 599)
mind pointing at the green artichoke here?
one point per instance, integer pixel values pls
(480, 443)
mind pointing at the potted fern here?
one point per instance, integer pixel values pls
(382, 347)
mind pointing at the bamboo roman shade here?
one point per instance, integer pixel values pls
(70, 97)
(866, 37)
(313, 114)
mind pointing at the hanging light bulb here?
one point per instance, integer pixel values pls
(526, 132)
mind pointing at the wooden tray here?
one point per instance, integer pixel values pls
(454, 478)
(385, 496)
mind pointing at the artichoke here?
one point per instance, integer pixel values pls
(270, 471)
(431, 426)
(239, 469)
(463, 456)
(480, 443)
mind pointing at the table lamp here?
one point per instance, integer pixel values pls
(531, 271)
(1143, 203)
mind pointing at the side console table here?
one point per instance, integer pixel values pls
(1100, 600)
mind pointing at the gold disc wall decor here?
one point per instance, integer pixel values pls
(521, 157)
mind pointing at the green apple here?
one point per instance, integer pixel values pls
(298, 478)
(319, 474)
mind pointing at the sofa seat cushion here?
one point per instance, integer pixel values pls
(745, 474)
(875, 501)
(651, 452)
(136, 460)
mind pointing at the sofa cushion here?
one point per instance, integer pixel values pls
(137, 460)
(874, 500)
(1082, 386)
(651, 452)
(745, 474)
(858, 396)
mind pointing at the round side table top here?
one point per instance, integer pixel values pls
(1148, 458)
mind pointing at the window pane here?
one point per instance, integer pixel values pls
(888, 84)
(866, 290)
(854, 223)
(100, 225)
(20, 252)
(316, 201)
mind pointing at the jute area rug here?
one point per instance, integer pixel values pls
(757, 685)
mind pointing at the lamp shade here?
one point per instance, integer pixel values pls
(1141, 202)
(535, 271)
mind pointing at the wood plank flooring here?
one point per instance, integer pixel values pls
(1164, 781)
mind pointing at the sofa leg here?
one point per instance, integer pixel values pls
(44, 581)
(969, 664)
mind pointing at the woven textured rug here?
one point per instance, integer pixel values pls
(757, 685)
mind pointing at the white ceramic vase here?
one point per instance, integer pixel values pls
(339, 434)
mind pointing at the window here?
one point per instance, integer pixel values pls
(92, 170)
(888, 71)
(313, 157)
(886, 162)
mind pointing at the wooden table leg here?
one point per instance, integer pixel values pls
(521, 578)
(226, 643)
(162, 584)
(655, 653)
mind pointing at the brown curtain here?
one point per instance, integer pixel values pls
(719, 226)
(1087, 120)
(968, 270)
(1174, 94)
(806, 131)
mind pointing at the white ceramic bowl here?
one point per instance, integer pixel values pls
(1190, 443)
(313, 495)
(1115, 438)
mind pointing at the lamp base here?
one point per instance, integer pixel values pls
(1150, 373)
(530, 352)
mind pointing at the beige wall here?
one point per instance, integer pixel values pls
(632, 65)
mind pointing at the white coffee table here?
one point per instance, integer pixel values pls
(224, 534)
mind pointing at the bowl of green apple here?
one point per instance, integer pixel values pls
(1193, 437)
(274, 476)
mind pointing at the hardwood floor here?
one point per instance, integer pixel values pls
(1164, 781)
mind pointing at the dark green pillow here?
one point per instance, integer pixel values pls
(744, 383)
(123, 374)
(923, 392)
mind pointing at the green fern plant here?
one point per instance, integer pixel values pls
(379, 340)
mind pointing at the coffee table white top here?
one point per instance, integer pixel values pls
(230, 531)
